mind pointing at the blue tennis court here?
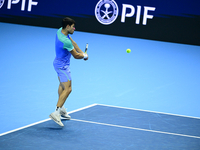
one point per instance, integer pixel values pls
(156, 76)
(109, 127)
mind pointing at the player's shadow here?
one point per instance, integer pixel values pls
(53, 126)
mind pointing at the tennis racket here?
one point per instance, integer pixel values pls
(86, 48)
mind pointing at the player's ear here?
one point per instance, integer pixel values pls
(67, 26)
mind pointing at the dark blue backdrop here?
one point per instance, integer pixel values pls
(172, 20)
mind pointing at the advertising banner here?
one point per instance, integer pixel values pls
(167, 20)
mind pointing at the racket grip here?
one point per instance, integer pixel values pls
(85, 55)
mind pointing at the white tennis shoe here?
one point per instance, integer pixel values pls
(55, 116)
(64, 114)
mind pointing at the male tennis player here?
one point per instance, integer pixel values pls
(65, 47)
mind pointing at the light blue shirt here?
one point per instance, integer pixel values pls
(63, 46)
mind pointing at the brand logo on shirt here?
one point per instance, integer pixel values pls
(106, 11)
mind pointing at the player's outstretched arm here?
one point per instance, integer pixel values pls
(77, 55)
(76, 46)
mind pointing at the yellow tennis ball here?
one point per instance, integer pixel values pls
(128, 50)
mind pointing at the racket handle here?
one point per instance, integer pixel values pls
(85, 56)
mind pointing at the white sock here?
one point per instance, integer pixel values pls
(57, 110)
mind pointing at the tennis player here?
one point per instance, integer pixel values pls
(65, 47)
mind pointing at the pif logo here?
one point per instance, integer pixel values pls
(1, 3)
(23, 2)
(106, 12)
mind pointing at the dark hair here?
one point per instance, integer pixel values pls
(67, 21)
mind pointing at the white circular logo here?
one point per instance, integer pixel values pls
(1, 3)
(106, 11)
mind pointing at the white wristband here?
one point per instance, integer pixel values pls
(85, 55)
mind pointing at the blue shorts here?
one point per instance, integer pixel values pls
(64, 74)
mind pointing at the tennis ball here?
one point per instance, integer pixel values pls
(128, 50)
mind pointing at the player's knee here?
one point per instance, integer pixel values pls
(67, 91)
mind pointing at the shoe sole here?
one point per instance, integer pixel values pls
(56, 121)
(63, 117)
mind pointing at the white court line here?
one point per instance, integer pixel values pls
(44, 120)
(25, 127)
(109, 124)
(92, 105)
(149, 111)
(154, 131)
